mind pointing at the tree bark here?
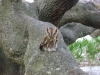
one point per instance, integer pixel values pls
(53, 10)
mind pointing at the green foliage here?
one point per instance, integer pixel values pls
(85, 50)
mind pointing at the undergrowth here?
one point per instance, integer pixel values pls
(86, 50)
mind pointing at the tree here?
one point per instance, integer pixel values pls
(21, 32)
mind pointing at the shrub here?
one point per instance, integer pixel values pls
(86, 50)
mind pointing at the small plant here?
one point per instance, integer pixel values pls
(86, 50)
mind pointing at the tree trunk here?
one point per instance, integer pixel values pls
(53, 10)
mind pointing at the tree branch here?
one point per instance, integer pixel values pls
(87, 14)
(53, 10)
